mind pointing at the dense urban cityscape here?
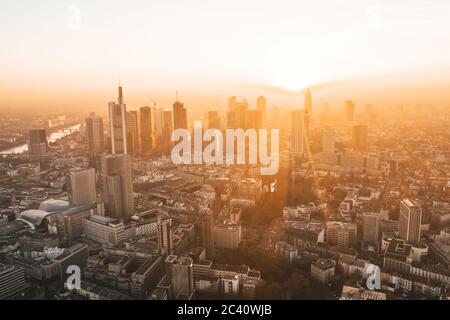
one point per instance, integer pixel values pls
(358, 186)
(224, 158)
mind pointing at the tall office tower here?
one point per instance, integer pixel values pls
(167, 130)
(349, 110)
(297, 133)
(231, 113)
(159, 126)
(81, 187)
(179, 116)
(261, 105)
(132, 132)
(37, 142)
(165, 235)
(118, 125)
(308, 112)
(370, 227)
(241, 115)
(180, 274)
(231, 119)
(117, 193)
(410, 220)
(368, 109)
(328, 140)
(213, 120)
(232, 103)
(359, 137)
(94, 133)
(145, 119)
(255, 119)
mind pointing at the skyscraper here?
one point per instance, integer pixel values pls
(359, 137)
(232, 103)
(370, 227)
(180, 274)
(231, 113)
(349, 110)
(145, 118)
(255, 119)
(37, 142)
(167, 130)
(132, 132)
(118, 125)
(81, 187)
(94, 133)
(261, 106)
(410, 220)
(328, 140)
(213, 120)
(297, 133)
(308, 112)
(165, 235)
(179, 116)
(117, 193)
(241, 115)
(163, 129)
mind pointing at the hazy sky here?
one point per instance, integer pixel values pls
(81, 48)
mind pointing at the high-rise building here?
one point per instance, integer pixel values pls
(179, 116)
(349, 110)
(81, 187)
(232, 103)
(359, 137)
(231, 113)
(231, 119)
(132, 132)
(308, 112)
(370, 227)
(328, 140)
(410, 219)
(180, 274)
(117, 193)
(261, 106)
(167, 130)
(118, 125)
(37, 142)
(241, 115)
(297, 133)
(145, 119)
(163, 129)
(94, 133)
(213, 120)
(165, 235)
(255, 119)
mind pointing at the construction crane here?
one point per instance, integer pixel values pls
(153, 101)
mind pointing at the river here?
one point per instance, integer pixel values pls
(54, 136)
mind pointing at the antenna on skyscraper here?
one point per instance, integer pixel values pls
(176, 95)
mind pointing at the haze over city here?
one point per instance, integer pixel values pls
(69, 54)
(225, 151)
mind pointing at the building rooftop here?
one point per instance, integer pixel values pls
(323, 264)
